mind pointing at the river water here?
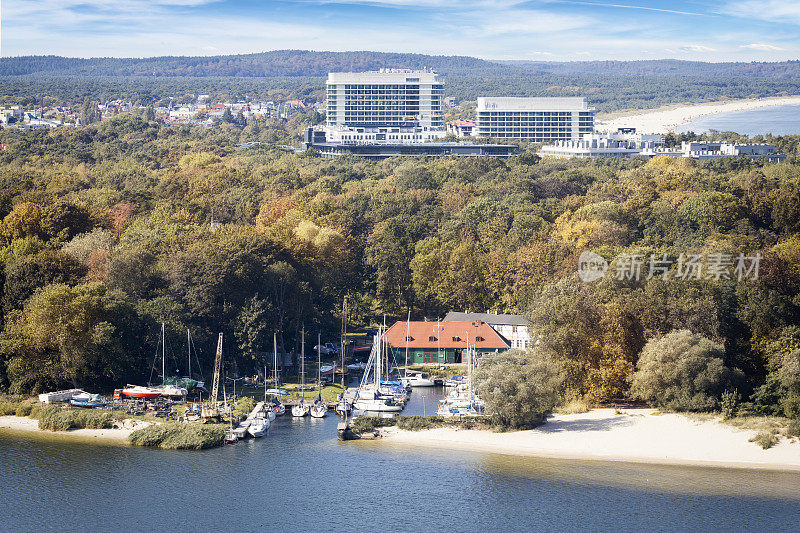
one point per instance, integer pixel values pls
(300, 478)
(781, 120)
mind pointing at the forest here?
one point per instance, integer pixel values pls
(106, 233)
(290, 74)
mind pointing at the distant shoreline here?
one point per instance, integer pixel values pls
(667, 119)
(24, 424)
(637, 435)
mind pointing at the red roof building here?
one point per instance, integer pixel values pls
(443, 342)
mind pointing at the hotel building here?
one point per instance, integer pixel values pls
(534, 119)
(387, 106)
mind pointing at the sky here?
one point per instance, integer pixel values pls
(547, 30)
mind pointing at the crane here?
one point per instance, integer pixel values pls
(211, 411)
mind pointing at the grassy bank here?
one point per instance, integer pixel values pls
(419, 423)
(176, 436)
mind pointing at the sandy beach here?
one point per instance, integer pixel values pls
(666, 119)
(637, 435)
(19, 423)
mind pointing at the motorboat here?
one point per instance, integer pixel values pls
(86, 400)
(416, 379)
(258, 427)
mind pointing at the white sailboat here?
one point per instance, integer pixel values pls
(278, 408)
(302, 409)
(319, 409)
(230, 436)
(371, 396)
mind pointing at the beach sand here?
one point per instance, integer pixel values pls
(19, 423)
(637, 435)
(666, 119)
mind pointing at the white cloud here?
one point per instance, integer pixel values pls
(763, 47)
(625, 6)
(697, 48)
(787, 11)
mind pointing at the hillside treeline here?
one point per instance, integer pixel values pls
(291, 74)
(106, 233)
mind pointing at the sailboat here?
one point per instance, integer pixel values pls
(302, 409)
(230, 436)
(463, 401)
(319, 409)
(151, 392)
(371, 396)
(279, 409)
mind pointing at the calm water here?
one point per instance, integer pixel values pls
(300, 478)
(782, 120)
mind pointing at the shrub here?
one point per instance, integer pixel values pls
(793, 429)
(414, 423)
(681, 371)
(176, 436)
(765, 439)
(790, 382)
(368, 423)
(55, 419)
(244, 405)
(518, 388)
(574, 407)
(7, 408)
(729, 403)
(23, 409)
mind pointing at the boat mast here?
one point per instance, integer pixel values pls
(408, 325)
(378, 360)
(303, 366)
(189, 345)
(319, 367)
(163, 356)
(343, 336)
(275, 361)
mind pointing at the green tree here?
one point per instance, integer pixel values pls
(681, 371)
(519, 388)
(74, 337)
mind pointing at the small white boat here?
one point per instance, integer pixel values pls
(416, 379)
(300, 409)
(319, 410)
(258, 427)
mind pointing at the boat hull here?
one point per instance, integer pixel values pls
(300, 410)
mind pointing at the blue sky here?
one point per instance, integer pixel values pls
(723, 30)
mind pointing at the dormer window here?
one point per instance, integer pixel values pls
(479, 339)
(432, 338)
(456, 339)
(409, 338)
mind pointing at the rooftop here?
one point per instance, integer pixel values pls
(514, 103)
(489, 318)
(444, 335)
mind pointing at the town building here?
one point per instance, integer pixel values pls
(704, 150)
(533, 119)
(442, 342)
(461, 128)
(516, 329)
(625, 142)
(386, 106)
(316, 138)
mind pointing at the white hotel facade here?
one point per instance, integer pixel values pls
(386, 106)
(534, 119)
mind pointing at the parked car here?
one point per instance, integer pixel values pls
(328, 348)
